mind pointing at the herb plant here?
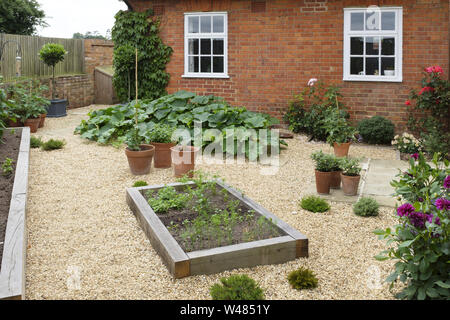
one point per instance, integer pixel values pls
(140, 183)
(237, 287)
(7, 168)
(314, 204)
(35, 142)
(351, 167)
(302, 278)
(366, 207)
(324, 162)
(53, 144)
(160, 133)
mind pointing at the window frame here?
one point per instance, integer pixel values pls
(211, 35)
(397, 34)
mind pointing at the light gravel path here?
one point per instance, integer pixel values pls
(79, 224)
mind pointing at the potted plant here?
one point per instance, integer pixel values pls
(183, 159)
(350, 176)
(160, 136)
(324, 165)
(339, 133)
(336, 170)
(51, 54)
(139, 154)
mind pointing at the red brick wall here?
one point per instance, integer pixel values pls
(273, 54)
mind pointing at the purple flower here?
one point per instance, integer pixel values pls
(420, 199)
(430, 217)
(405, 210)
(417, 219)
(447, 182)
(442, 204)
(415, 156)
(408, 174)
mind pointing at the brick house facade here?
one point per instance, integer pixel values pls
(276, 46)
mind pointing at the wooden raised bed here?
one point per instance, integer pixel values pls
(12, 272)
(291, 245)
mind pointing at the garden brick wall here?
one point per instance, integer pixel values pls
(272, 53)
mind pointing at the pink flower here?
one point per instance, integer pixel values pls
(426, 89)
(415, 156)
(434, 69)
(312, 82)
(407, 102)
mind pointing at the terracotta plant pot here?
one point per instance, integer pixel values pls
(335, 180)
(163, 158)
(183, 160)
(341, 149)
(140, 161)
(33, 123)
(323, 182)
(41, 123)
(13, 124)
(350, 184)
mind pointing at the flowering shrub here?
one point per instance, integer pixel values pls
(406, 143)
(429, 111)
(422, 237)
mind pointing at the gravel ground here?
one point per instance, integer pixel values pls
(79, 226)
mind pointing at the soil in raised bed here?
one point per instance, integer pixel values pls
(9, 148)
(249, 229)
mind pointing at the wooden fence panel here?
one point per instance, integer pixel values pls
(32, 66)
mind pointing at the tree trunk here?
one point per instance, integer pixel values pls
(53, 84)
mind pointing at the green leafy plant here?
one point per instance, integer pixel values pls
(53, 144)
(140, 183)
(407, 143)
(429, 112)
(182, 110)
(302, 278)
(325, 162)
(314, 204)
(26, 100)
(376, 130)
(136, 30)
(35, 142)
(167, 198)
(161, 133)
(351, 167)
(309, 109)
(7, 168)
(337, 128)
(420, 242)
(237, 287)
(366, 207)
(51, 54)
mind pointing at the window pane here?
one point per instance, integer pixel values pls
(388, 46)
(205, 46)
(217, 46)
(357, 46)
(372, 45)
(205, 64)
(388, 20)
(357, 21)
(218, 64)
(193, 46)
(193, 64)
(388, 66)
(372, 67)
(193, 24)
(218, 24)
(356, 66)
(372, 21)
(205, 24)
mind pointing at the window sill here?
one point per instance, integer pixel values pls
(374, 79)
(206, 76)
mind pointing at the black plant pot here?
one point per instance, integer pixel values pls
(57, 108)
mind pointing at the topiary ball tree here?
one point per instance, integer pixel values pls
(51, 54)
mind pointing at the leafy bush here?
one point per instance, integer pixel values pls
(337, 128)
(140, 183)
(376, 130)
(26, 101)
(435, 141)
(237, 287)
(181, 110)
(53, 144)
(407, 143)
(160, 133)
(325, 162)
(167, 198)
(35, 142)
(311, 107)
(420, 242)
(302, 278)
(314, 204)
(136, 30)
(366, 207)
(350, 167)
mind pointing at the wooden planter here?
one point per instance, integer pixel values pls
(12, 272)
(180, 264)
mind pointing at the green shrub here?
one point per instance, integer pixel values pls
(314, 204)
(376, 130)
(140, 183)
(35, 142)
(324, 162)
(160, 133)
(366, 207)
(53, 144)
(351, 167)
(237, 287)
(302, 278)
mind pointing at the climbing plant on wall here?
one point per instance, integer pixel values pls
(139, 30)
